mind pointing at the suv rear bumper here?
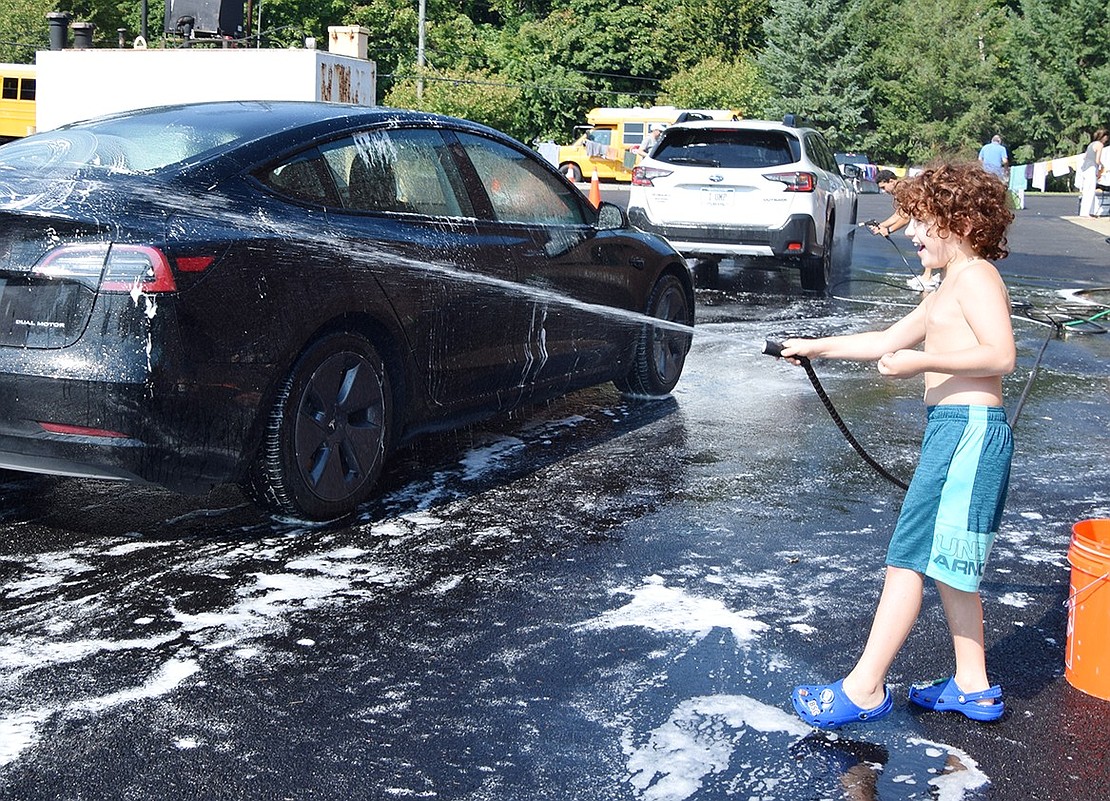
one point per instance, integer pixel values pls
(796, 237)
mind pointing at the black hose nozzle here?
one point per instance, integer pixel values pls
(773, 348)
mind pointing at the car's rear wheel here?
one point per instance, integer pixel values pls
(328, 433)
(572, 171)
(817, 270)
(661, 351)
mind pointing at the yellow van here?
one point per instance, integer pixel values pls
(610, 139)
(17, 103)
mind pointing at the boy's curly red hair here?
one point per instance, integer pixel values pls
(963, 199)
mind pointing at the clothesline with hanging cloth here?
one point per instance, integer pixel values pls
(1022, 176)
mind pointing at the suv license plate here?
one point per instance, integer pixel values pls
(718, 197)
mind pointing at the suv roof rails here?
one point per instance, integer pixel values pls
(692, 116)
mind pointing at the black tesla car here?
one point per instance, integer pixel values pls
(280, 293)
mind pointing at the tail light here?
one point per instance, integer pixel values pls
(795, 181)
(132, 267)
(643, 176)
(111, 267)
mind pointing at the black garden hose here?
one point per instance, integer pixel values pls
(773, 348)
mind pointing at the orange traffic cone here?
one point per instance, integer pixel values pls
(595, 190)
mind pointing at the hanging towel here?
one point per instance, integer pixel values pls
(1060, 167)
(1017, 178)
(1040, 172)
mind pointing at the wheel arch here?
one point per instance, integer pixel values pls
(682, 272)
(564, 165)
(386, 341)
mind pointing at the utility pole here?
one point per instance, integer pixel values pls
(420, 53)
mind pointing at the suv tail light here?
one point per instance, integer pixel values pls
(111, 268)
(795, 181)
(643, 176)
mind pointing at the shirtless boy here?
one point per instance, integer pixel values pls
(950, 515)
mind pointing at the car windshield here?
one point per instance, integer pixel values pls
(729, 148)
(129, 143)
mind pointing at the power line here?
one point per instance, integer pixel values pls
(460, 53)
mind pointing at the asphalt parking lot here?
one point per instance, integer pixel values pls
(591, 599)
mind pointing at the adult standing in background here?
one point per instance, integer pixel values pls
(1090, 173)
(994, 158)
(654, 134)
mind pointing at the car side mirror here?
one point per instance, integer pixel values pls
(850, 170)
(611, 217)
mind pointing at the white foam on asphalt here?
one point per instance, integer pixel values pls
(656, 607)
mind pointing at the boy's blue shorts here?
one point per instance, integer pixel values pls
(954, 504)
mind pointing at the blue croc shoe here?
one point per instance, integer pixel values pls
(943, 695)
(827, 706)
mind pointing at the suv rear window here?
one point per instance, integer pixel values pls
(728, 148)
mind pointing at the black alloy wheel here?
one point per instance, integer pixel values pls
(328, 434)
(661, 350)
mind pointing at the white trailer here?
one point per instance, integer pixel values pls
(79, 84)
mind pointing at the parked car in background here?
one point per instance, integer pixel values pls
(279, 294)
(747, 188)
(858, 169)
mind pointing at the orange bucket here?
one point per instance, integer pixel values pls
(1087, 656)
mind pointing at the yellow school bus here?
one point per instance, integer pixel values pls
(17, 101)
(610, 139)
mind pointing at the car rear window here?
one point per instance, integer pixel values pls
(729, 148)
(136, 142)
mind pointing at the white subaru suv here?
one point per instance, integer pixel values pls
(747, 188)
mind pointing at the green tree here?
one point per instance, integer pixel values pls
(937, 95)
(391, 44)
(476, 95)
(287, 23)
(732, 28)
(1056, 64)
(23, 29)
(553, 97)
(814, 63)
(715, 83)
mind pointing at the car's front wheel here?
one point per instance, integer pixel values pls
(661, 350)
(572, 171)
(328, 432)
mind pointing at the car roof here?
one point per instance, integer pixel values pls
(259, 130)
(280, 112)
(741, 125)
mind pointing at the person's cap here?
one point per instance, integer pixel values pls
(883, 176)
